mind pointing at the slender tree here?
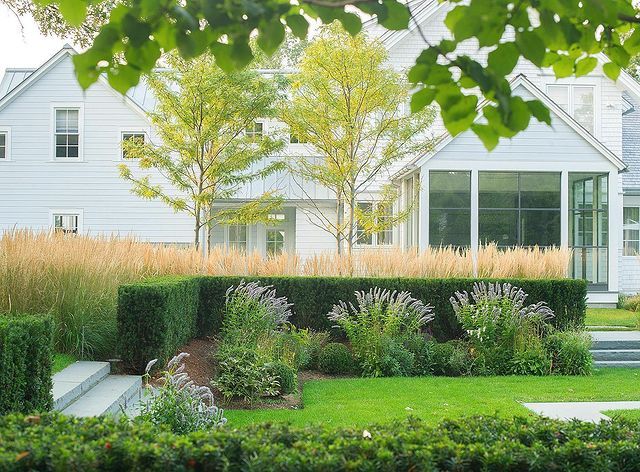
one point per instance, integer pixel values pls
(211, 144)
(351, 108)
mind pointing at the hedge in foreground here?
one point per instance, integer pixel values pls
(54, 442)
(153, 316)
(26, 361)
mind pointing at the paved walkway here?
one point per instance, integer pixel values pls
(585, 411)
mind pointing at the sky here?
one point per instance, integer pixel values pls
(23, 46)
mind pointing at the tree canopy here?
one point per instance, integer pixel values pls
(566, 35)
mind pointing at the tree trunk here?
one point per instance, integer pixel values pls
(351, 221)
(196, 229)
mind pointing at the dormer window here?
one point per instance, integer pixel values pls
(578, 101)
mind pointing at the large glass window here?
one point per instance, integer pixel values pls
(275, 241)
(519, 208)
(385, 216)
(450, 208)
(238, 237)
(631, 231)
(589, 227)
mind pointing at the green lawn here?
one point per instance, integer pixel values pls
(633, 415)
(358, 402)
(60, 361)
(611, 317)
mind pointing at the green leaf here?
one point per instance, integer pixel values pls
(519, 116)
(351, 22)
(123, 77)
(586, 65)
(298, 24)
(397, 17)
(74, 11)
(270, 36)
(504, 58)
(632, 43)
(563, 67)
(422, 98)
(611, 70)
(618, 55)
(531, 46)
(487, 135)
(539, 111)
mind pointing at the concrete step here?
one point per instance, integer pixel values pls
(76, 379)
(615, 340)
(632, 364)
(615, 345)
(616, 354)
(110, 396)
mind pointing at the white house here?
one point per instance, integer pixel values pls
(575, 184)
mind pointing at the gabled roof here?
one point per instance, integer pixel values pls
(522, 80)
(30, 76)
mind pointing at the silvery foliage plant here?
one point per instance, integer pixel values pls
(492, 309)
(179, 403)
(253, 310)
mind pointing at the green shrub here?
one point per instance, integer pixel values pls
(335, 358)
(156, 318)
(313, 298)
(570, 352)
(288, 345)
(533, 360)
(286, 376)
(631, 303)
(418, 345)
(376, 327)
(26, 362)
(178, 403)
(53, 442)
(241, 373)
(451, 358)
(311, 350)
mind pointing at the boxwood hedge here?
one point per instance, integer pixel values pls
(156, 316)
(53, 442)
(26, 361)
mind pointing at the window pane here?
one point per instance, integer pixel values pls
(275, 241)
(631, 248)
(499, 226)
(449, 227)
(498, 190)
(631, 215)
(61, 121)
(583, 107)
(540, 227)
(449, 189)
(3, 139)
(540, 190)
(72, 151)
(61, 151)
(361, 236)
(560, 95)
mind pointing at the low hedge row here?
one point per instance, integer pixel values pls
(26, 358)
(144, 309)
(53, 442)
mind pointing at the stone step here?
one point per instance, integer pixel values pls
(76, 379)
(632, 364)
(616, 354)
(615, 345)
(110, 396)
(615, 340)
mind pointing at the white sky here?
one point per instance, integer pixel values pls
(23, 46)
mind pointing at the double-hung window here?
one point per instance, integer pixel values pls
(133, 136)
(384, 215)
(578, 101)
(631, 231)
(67, 133)
(238, 237)
(66, 223)
(4, 145)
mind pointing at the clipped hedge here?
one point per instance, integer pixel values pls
(26, 362)
(313, 298)
(54, 442)
(155, 318)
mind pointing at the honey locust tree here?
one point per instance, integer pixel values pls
(349, 105)
(205, 153)
(565, 35)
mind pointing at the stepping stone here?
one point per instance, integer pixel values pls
(584, 411)
(76, 379)
(110, 396)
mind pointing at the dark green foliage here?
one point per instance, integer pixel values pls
(397, 361)
(569, 352)
(419, 347)
(311, 352)
(287, 377)
(26, 361)
(312, 298)
(451, 358)
(531, 361)
(54, 442)
(335, 358)
(242, 373)
(155, 318)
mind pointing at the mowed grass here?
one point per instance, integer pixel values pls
(612, 317)
(360, 402)
(631, 415)
(60, 361)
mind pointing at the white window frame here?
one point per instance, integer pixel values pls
(228, 236)
(374, 236)
(52, 131)
(251, 135)
(595, 85)
(67, 212)
(637, 225)
(7, 144)
(124, 131)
